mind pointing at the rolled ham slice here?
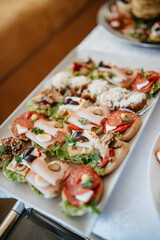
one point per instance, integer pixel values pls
(49, 191)
(127, 79)
(40, 167)
(88, 113)
(49, 127)
(74, 119)
(45, 145)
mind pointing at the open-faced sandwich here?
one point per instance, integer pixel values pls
(103, 155)
(10, 147)
(122, 124)
(147, 82)
(45, 101)
(121, 98)
(24, 123)
(81, 192)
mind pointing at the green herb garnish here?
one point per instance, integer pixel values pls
(2, 149)
(127, 119)
(141, 70)
(18, 159)
(111, 75)
(146, 75)
(71, 210)
(72, 140)
(154, 89)
(37, 130)
(88, 183)
(83, 121)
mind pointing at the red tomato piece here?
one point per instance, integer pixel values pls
(76, 66)
(105, 160)
(150, 76)
(73, 127)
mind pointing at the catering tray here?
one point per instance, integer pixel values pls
(101, 20)
(49, 207)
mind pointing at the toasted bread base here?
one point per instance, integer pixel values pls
(120, 154)
(132, 130)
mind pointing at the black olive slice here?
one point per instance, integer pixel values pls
(101, 64)
(77, 133)
(29, 158)
(82, 138)
(70, 101)
(27, 152)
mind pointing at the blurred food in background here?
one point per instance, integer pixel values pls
(138, 19)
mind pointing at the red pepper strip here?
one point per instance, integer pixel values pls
(20, 165)
(76, 66)
(73, 127)
(121, 129)
(29, 114)
(105, 160)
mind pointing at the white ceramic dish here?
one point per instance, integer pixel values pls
(154, 174)
(80, 225)
(101, 20)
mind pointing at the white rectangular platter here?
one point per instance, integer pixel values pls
(80, 225)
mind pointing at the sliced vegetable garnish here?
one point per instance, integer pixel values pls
(72, 141)
(88, 183)
(2, 149)
(83, 121)
(37, 130)
(127, 119)
(70, 210)
(18, 159)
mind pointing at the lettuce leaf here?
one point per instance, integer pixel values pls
(52, 112)
(34, 144)
(91, 159)
(15, 177)
(69, 210)
(154, 89)
(35, 189)
(61, 151)
(34, 107)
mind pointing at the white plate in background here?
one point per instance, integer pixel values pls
(154, 174)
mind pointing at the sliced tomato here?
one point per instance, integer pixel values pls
(76, 67)
(150, 76)
(73, 127)
(121, 129)
(105, 160)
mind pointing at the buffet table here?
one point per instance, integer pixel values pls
(130, 212)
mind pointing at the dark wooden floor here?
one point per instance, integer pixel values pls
(16, 86)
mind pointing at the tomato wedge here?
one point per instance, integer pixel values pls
(150, 76)
(73, 127)
(105, 160)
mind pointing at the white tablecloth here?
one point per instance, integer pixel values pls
(130, 212)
